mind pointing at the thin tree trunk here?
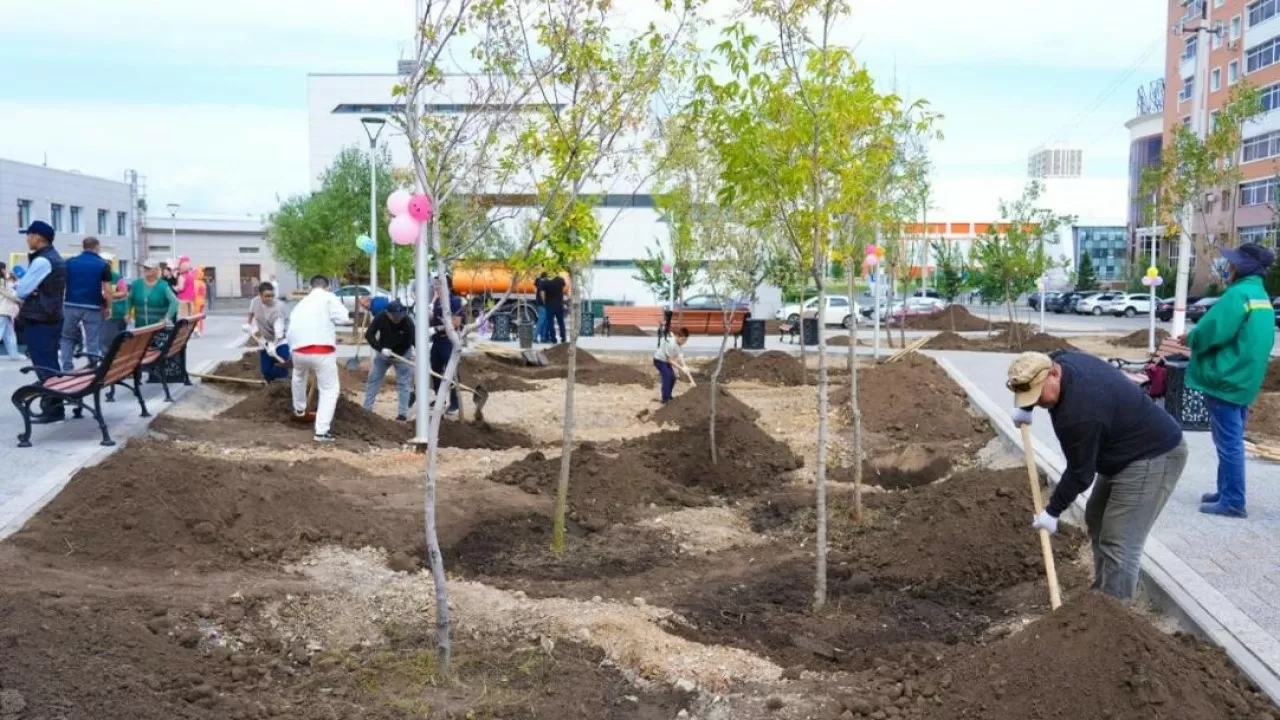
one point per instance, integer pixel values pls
(853, 314)
(820, 589)
(444, 644)
(804, 362)
(715, 384)
(1015, 334)
(566, 447)
(855, 409)
(902, 328)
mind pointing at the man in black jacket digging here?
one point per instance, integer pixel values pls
(390, 335)
(1108, 429)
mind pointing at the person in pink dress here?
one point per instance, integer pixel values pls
(185, 288)
(202, 298)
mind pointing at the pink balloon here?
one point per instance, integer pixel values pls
(420, 207)
(398, 203)
(405, 230)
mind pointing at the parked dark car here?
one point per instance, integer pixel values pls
(1033, 300)
(1064, 302)
(1164, 311)
(1196, 310)
(713, 302)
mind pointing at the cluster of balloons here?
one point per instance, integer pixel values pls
(366, 244)
(875, 254)
(1152, 278)
(408, 212)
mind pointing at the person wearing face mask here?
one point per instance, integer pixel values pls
(1230, 348)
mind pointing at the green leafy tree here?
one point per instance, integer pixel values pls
(949, 279)
(1086, 276)
(797, 125)
(1016, 258)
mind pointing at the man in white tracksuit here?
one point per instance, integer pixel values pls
(313, 342)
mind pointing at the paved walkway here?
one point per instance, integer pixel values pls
(39, 472)
(1221, 572)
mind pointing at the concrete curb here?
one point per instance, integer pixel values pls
(1169, 582)
(15, 513)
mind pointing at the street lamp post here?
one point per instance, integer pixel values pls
(173, 231)
(373, 128)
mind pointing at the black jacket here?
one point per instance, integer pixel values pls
(397, 337)
(1104, 422)
(44, 306)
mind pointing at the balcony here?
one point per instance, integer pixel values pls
(1257, 34)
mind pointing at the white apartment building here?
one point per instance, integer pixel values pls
(76, 205)
(232, 250)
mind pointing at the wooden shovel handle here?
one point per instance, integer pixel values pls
(1046, 546)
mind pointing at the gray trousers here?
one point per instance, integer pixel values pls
(1120, 514)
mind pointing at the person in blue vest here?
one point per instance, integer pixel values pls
(88, 302)
(41, 292)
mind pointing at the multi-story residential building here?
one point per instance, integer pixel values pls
(1055, 162)
(1227, 43)
(1106, 248)
(1146, 145)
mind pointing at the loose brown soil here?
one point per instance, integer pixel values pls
(1272, 381)
(504, 383)
(471, 435)
(274, 405)
(590, 370)
(914, 400)
(1094, 659)
(1264, 418)
(773, 367)
(246, 368)
(627, 331)
(749, 460)
(1037, 342)
(153, 507)
(1138, 338)
(693, 407)
(954, 318)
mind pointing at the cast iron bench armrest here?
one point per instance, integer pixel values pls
(38, 368)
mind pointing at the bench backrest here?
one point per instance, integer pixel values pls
(126, 353)
(705, 322)
(181, 335)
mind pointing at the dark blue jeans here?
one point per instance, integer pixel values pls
(441, 349)
(540, 329)
(270, 369)
(555, 315)
(668, 374)
(42, 347)
(1227, 421)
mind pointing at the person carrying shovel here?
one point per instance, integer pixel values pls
(313, 338)
(668, 359)
(268, 320)
(391, 336)
(1109, 429)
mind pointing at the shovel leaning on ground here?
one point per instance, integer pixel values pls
(1046, 547)
(478, 393)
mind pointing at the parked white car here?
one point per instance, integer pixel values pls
(348, 294)
(1129, 305)
(1096, 304)
(840, 311)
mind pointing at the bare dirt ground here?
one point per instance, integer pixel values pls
(224, 567)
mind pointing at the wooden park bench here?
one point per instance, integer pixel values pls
(789, 330)
(640, 316)
(172, 349)
(117, 367)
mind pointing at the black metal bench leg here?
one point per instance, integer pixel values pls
(137, 392)
(102, 423)
(164, 383)
(24, 409)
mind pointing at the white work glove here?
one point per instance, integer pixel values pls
(1021, 417)
(248, 329)
(386, 353)
(1045, 521)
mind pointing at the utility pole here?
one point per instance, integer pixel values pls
(1199, 126)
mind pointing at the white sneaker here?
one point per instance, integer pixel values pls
(451, 415)
(325, 438)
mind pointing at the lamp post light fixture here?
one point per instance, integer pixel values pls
(373, 128)
(173, 230)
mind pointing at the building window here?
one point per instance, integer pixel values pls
(1257, 192)
(1188, 89)
(1261, 234)
(1213, 120)
(1189, 48)
(1261, 56)
(24, 213)
(122, 224)
(76, 212)
(1226, 200)
(1262, 10)
(1261, 147)
(103, 216)
(55, 216)
(1235, 28)
(1219, 3)
(248, 251)
(1233, 72)
(1218, 31)
(158, 251)
(1215, 80)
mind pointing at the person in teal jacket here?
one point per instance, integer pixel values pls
(150, 298)
(1230, 349)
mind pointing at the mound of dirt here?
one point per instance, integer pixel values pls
(914, 400)
(245, 368)
(470, 436)
(504, 383)
(1091, 659)
(559, 355)
(628, 331)
(274, 404)
(1038, 342)
(148, 506)
(1264, 418)
(590, 369)
(1138, 339)
(603, 488)
(693, 407)
(954, 318)
(773, 367)
(749, 460)
(1272, 382)
(1044, 343)
(947, 340)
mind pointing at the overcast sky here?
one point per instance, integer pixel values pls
(208, 100)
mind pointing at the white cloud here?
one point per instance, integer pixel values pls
(210, 159)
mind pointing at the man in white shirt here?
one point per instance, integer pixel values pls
(313, 342)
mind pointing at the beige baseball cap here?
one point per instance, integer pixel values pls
(1027, 374)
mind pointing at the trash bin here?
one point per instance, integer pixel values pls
(587, 326)
(1186, 405)
(753, 335)
(501, 327)
(809, 331)
(524, 333)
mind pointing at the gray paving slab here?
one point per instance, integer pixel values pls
(39, 472)
(1221, 570)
